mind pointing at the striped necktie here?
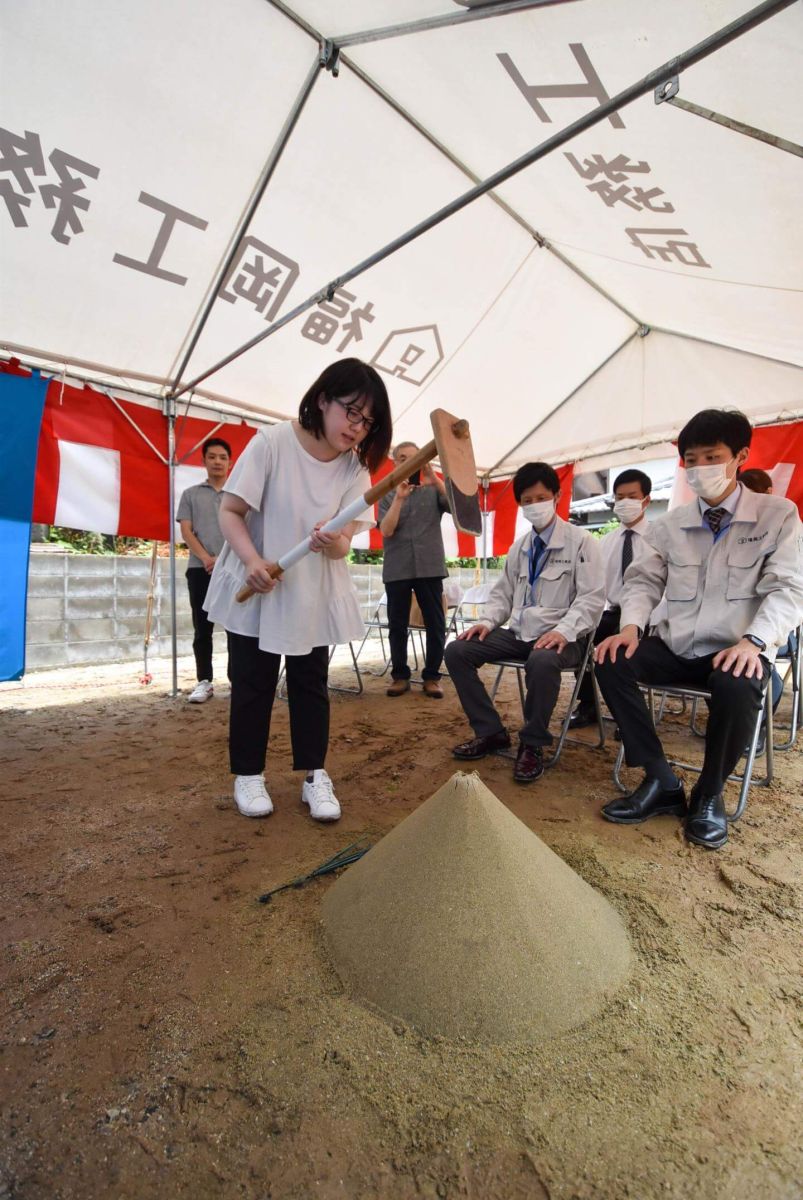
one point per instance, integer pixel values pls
(714, 518)
(627, 550)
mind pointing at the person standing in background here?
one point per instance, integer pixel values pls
(198, 518)
(414, 562)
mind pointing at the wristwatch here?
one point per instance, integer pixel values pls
(748, 637)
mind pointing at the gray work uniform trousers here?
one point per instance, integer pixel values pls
(542, 681)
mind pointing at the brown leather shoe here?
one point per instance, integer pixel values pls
(398, 687)
(529, 764)
(478, 747)
(433, 689)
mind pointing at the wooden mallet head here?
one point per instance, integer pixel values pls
(456, 456)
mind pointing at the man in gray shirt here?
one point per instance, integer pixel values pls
(414, 562)
(197, 516)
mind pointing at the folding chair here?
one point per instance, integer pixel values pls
(378, 621)
(454, 598)
(764, 717)
(470, 607)
(281, 684)
(791, 654)
(351, 691)
(586, 664)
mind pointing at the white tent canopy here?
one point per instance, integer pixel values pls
(647, 268)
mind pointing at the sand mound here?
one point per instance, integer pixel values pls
(464, 923)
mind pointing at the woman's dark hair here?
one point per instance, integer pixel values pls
(350, 377)
(714, 425)
(756, 480)
(215, 441)
(633, 475)
(532, 473)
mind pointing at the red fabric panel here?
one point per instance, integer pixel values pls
(191, 431)
(774, 444)
(48, 465)
(374, 536)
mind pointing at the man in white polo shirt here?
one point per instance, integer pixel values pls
(619, 548)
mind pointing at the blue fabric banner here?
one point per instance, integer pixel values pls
(22, 400)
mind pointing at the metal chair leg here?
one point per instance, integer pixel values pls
(564, 736)
(350, 691)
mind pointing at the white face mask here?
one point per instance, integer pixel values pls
(628, 510)
(711, 481)
(540, 514)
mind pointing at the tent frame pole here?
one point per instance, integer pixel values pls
(521, 221)
(710, 114)
(482, 12)
(485, 484)
(256, 198)
(635, 91)
(170, 413)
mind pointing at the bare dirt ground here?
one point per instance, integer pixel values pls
(164, 1035)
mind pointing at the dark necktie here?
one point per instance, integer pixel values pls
(714, 518)
(537, 550)
(627, 550)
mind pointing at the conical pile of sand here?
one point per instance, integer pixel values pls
(462, 922)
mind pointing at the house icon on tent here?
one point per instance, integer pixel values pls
(410, 354)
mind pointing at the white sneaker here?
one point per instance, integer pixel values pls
(202, 692)
(251, 796)
(320, 797)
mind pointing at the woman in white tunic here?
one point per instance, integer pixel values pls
(292, 478)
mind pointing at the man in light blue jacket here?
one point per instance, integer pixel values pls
(551, 594)
(729, 568)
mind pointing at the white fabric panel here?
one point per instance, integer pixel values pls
(89, 488)
(449, 533)
(361, 540)
(736, 198)
(385, 179)
(358, 15)
(542, 338)
(187, 476)
(661, 381)
(188, 104)
(781, 475)
(488, 545)
(176, 99)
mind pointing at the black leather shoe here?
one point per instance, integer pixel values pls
(648, 800)
(478, 747)
(529, 764)
(581, 718)
(706, 823)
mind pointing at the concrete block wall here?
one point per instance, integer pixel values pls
(86, 608)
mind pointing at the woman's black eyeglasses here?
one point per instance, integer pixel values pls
(355, 415)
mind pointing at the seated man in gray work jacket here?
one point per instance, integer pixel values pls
(552, 592)
(729, 565)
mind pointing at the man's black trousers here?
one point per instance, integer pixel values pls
(198, 585)
(733, 707)
(429, 594)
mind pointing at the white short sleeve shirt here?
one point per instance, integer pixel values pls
(288, 492)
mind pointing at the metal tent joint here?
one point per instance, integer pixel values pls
(667, 89)
(643, 330)
(330, 56)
